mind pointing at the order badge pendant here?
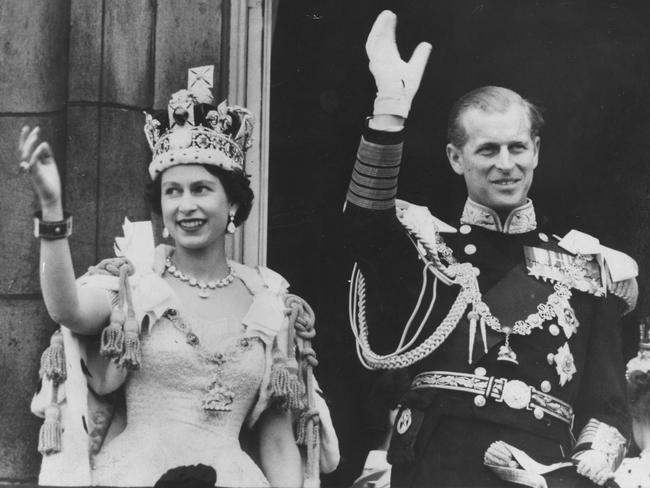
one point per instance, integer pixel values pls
(404, 421)
(506, 354)
(218, 397)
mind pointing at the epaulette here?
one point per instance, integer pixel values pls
(422, 216)
(618, 270)
(423, 229)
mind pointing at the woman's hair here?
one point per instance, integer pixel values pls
(638, 391)
(236, 184)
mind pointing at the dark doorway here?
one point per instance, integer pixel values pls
(585, 62)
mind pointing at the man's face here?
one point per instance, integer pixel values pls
(499, 157)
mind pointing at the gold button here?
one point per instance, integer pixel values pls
(465, 229)
(554, 329)
(479, 401)
(545, 386)
(470, 249)
(480, 371)
(543, 237)
(550, 357)
(538, 413)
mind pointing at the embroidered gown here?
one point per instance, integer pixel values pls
(190, 398)
(167, 426)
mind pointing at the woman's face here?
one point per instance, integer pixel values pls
(194, 206)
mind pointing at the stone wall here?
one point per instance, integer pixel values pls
(83, 71)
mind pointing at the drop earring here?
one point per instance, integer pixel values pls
(230, 228)
(165, 233)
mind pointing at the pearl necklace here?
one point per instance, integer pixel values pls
(204, 288)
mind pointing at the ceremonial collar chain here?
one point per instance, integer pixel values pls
(204, 288)
(434, 251)
(556, 306)
(520, 220)
(219, 395)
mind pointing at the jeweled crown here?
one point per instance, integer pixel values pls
(194, 131)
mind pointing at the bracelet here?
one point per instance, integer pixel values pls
(52, 230)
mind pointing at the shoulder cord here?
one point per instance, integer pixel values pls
(465, 275)
(120, 339)
(358, 307)
(53, 366)
(301, 323)
(455, 273)
(399, 358)
(53, 369)
(132, 355)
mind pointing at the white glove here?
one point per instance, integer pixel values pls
(593, 465)
(397, 81)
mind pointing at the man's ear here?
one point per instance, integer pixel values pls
(455, 158)
(537, 143)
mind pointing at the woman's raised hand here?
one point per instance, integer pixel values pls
(38, 160)
(397, 80)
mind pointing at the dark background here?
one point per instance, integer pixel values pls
(586, 63)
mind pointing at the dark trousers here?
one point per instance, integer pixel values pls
(448, 452)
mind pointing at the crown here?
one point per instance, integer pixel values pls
(194, 131)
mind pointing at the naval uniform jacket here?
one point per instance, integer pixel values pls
(393, 274)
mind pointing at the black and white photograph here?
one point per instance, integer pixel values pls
(325, 243)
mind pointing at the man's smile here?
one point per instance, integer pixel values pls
(505, 182)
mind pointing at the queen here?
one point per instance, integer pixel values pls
(166, 355)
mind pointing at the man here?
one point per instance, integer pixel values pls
(512, 338)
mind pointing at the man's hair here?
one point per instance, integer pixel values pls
(489, 99)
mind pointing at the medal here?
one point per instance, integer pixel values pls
(506, 354)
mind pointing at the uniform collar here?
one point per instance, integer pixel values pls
(521, 219)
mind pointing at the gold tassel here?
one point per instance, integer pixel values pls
(49, 437)
(286, 388)
(303, 427)
(296, 392)
(132, 354)
(53, 360)
(132, 350)
(279, 381)
(308, 436)
(312, 461)
(301, 434)
(112, 341)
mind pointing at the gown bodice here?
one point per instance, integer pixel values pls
(169, 423)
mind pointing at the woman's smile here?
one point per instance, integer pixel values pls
(191, 225)
(194, 206)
